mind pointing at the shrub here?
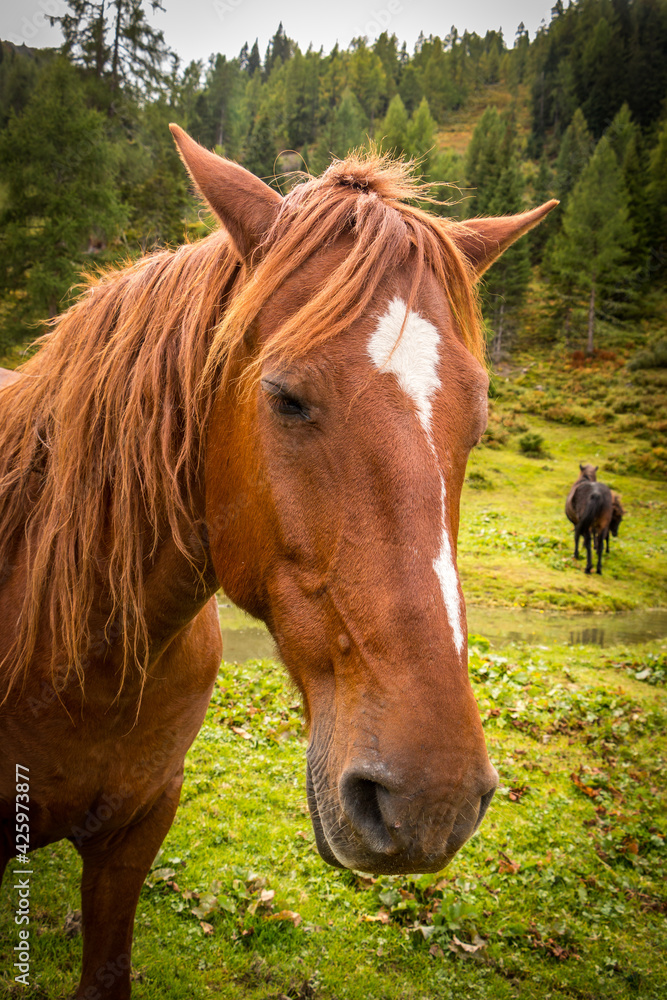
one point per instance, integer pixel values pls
(651, 357)
(478, 481)
(563, 414)
(495, 435)
(532, 444)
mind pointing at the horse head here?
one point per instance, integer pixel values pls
(336, 453)
(588, 472)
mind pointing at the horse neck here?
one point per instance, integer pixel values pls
(176, 587)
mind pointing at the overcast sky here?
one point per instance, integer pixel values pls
(196, 28)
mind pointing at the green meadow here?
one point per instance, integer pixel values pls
(561, 894)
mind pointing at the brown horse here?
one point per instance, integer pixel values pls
(283, 409)
(617, 514)
(589, 507)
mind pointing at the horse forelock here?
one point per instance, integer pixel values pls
(103, 445)
(370, 199)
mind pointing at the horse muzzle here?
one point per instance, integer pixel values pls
(375, 824)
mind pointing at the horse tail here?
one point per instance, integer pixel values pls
(594, 506)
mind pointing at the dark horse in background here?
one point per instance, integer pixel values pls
(283, 409)
(589, 506)
(617, 514)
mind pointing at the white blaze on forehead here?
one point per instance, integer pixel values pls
(414, 361)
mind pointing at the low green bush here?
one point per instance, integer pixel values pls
(532, 444)
(651, 357)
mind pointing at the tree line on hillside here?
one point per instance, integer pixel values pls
(88, 173)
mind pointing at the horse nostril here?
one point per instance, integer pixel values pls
(484, 803)
(361, 801)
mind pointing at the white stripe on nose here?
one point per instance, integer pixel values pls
(414, 361)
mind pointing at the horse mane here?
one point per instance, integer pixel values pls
(102, 453)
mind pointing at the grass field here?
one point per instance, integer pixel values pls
(515, 545)
(560, 894)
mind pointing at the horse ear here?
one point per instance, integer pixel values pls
(246, 206)
(581, 466)
(484, 240)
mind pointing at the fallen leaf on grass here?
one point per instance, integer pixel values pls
(647, 902)
(507, 866)
(459, 947)
(207, 928)
(72, 925)
(294, 918)
(436, 951)
(555, 950)
(208, 904)
(264, 899)
(365, 881)
(516, 794)
(370, 918)
(160, 875)
(592, 793)
(241, 732)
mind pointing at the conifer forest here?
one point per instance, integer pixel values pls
(89, 175)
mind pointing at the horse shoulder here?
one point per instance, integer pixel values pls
(123, 759)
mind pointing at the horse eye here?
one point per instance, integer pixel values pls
(283, 402)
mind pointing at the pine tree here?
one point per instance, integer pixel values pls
(421, 137)
(261, 150)
(591, 253)
(347, 129)
(115, 41)
(151, 181)
(393, 132)
(485, 160)
(300, 101)
(386, 47)
(626, 141)
(217, 109)
(61, 203)
(85, 28)
(331, 83)
(656, 193)
(279, 49)
(600, 79)
(410, 88)
(506, 283)
(493, 170)
(574, 153)
(367, 78)
(254, 59)
(18, 75)
(349, 125)
(542, 190)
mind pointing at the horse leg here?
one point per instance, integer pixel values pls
(589, 557)
(576, 543)
(5, 855)
(114, 869)
(599, 546)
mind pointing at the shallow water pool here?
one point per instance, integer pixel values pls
(245, 638)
